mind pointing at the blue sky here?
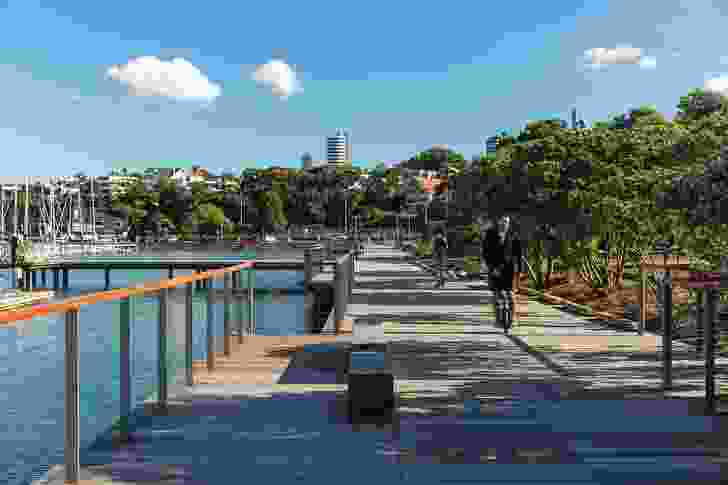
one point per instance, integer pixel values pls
(401, 76)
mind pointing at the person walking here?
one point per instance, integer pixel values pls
(502, 253)
(440, 246)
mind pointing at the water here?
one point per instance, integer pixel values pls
(32, 363)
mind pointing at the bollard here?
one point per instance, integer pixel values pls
(126, 313)
(162, 357)
(711, 308)
(170, 274)
(72, 450)
(55, 279)
(188, 334)
(210, 328)
(33, 279)
(107, 277)
(65, 278)
(227, 300)
(43, 278)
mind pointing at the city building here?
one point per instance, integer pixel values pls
(338, 148)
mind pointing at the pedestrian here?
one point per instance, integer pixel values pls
(502, 253)
(439, 251)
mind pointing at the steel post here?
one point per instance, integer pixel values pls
(72, 398)
(163, 327)
(188, 335)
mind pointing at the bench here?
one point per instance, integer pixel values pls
(370, 381)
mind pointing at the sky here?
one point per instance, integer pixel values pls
(90, 86)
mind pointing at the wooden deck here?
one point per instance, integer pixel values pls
(259, 360)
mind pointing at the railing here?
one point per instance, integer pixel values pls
(175, 324)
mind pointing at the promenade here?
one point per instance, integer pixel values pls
(561, 400)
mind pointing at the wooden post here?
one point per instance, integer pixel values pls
(72, 448)
(125, 310)
(227, 301)
(210, 330)
(643, 301)
(162, 360)
(188, 335)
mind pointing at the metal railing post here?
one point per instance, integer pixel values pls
(711, 307)
(251, 301)
(667, 330)
(72, 394)
(188, 335)
(307, 268)
(125, 319)
(339, 295)
(240, 297)
(163, 317)
(210, 330)
(227, 301)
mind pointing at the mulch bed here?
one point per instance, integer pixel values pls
(611, 301)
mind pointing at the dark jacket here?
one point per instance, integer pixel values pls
(505, 256)
(439, 247)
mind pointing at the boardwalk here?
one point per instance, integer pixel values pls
(560, 391)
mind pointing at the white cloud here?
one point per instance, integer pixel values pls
(279, 77)
(601, 56)
(648, 63)
(178, 79)
(718, 85)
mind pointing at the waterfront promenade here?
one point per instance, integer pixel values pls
(561, 400)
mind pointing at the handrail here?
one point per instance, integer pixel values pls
(75, 303)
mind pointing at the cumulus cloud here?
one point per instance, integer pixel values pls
(278, 77)
(601, 56)
(718, 85)
(178, 79)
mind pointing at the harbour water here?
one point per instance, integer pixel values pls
(32, 357)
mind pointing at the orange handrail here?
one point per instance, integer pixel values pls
(75, 303)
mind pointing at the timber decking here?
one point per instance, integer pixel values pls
(259, 360)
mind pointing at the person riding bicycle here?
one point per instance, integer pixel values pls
(439, 251)
(502, 254)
